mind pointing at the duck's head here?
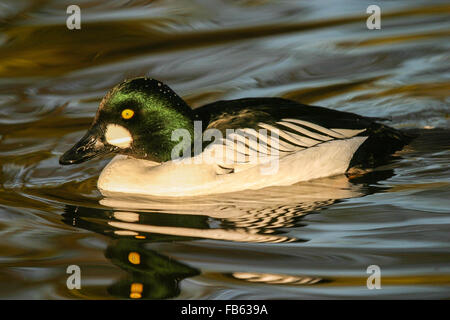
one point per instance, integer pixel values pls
(136, 118)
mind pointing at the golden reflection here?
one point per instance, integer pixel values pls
(126, 216)
(437, 90)
(151, 275)
(396, 39)
(240, 235)
(46, 50)
(136, 290)
(134, 258)
(312, 94)
(125, 233)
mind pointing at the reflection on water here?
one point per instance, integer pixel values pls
(250, 216)
(149, 274)
(311, 240)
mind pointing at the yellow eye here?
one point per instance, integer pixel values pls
(127, 113)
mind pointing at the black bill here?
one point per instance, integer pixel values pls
(90, 146)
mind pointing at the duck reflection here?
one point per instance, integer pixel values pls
(150, 275)
(262, 216)
(248, 216)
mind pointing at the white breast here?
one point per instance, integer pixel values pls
(128, 175)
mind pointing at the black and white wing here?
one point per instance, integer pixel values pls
(255, 130)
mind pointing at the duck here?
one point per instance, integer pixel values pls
(163, 147)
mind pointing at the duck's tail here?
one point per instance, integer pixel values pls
(382, 142)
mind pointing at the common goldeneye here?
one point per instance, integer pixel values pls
(165, 148)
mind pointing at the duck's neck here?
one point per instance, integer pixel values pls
(165, 130)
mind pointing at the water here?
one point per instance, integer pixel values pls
(311, 240)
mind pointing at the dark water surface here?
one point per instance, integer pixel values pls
(310, 240)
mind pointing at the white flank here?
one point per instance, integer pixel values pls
(128, 175)
(118, 136)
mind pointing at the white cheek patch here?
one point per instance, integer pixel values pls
(118, 136)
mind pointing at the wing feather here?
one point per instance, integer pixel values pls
(265, 128)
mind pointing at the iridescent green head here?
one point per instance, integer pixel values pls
(137, 118)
